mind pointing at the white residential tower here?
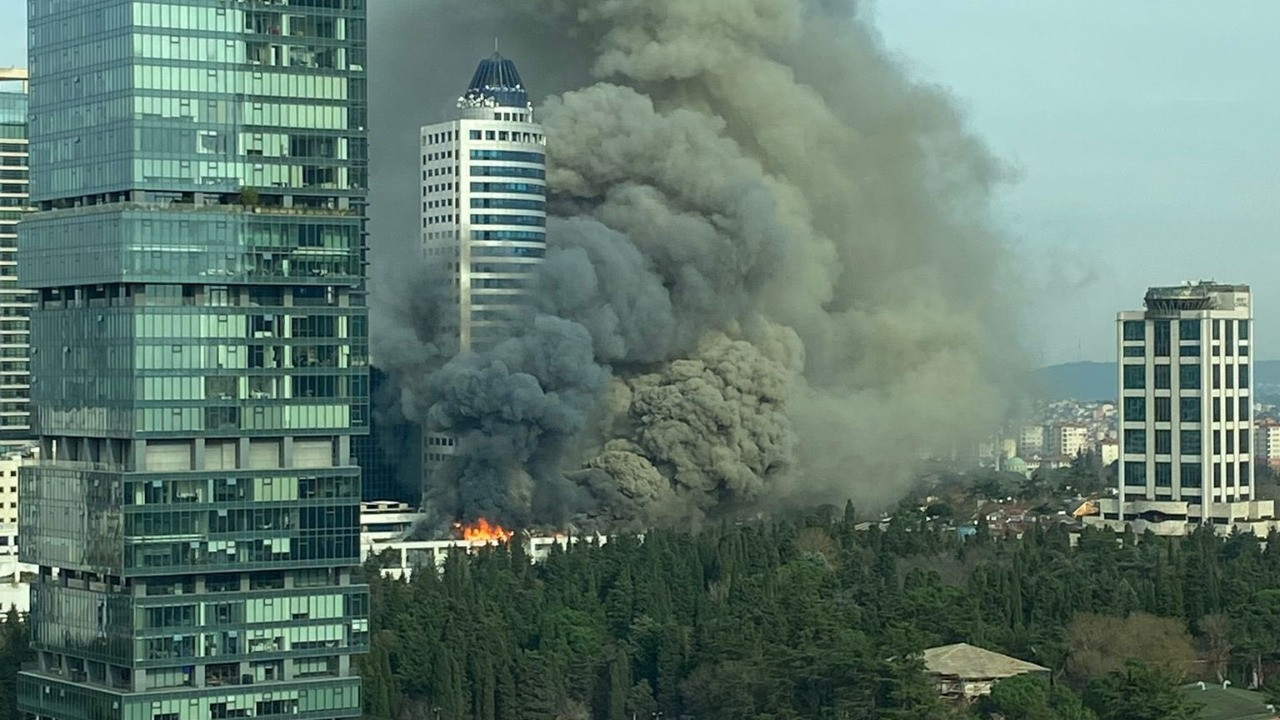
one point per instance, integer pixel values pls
(15, 302)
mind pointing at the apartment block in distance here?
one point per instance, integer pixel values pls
(1267, 444)
(199, 350)
(15, 303)
(1186, 414)
(1031, 441)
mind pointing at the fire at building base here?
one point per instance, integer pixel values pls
(386, 526)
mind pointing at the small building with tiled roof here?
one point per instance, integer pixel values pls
(963, 671)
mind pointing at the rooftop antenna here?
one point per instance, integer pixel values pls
(495, 46)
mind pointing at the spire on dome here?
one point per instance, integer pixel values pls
(496, 84)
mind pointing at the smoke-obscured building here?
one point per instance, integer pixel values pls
(390, 455)
(15, 303)
(403, 558)
(1031, 441)
(484, 214)
(199, 359)
(1186, 415)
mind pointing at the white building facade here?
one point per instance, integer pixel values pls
(1186, 414)
(484, 213)
(1267, 444)
(1109, 450)
(15, 303)
(15, 591)
(484, 200)
(409, 556)
(1068, 439)
(386, 522)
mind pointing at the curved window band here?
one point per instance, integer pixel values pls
(508, 155)
(528, 252)
(509, 220)
(507, 204)
(507, 171)
(522, 235)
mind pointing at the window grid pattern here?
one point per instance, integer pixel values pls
(199, 341)
(15, 303)
(1185, 422)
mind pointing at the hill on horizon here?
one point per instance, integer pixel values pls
(1097, 380)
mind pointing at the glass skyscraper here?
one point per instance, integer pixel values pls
(199, 348)
(15, 303)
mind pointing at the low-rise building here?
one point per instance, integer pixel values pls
(966, 672)
(15, 591)
(385, 522)
(404, 558)
(1052, 462)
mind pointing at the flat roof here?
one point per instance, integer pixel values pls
(1200, 288)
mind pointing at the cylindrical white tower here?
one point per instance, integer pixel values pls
(484, 201)
(484, 218)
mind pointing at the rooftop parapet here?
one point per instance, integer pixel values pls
(1204, 295)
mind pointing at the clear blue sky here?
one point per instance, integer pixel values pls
(1144, 134)
(13, 33)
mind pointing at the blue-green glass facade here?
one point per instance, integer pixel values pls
(199, 358)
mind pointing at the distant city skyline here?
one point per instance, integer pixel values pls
(1136, 162)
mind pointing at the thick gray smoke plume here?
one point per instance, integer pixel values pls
(771, 277)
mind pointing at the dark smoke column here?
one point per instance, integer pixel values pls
(483, 217)
(770, 262)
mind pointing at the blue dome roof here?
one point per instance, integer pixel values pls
(496, 84)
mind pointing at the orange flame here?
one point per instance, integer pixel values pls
(483, 530)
